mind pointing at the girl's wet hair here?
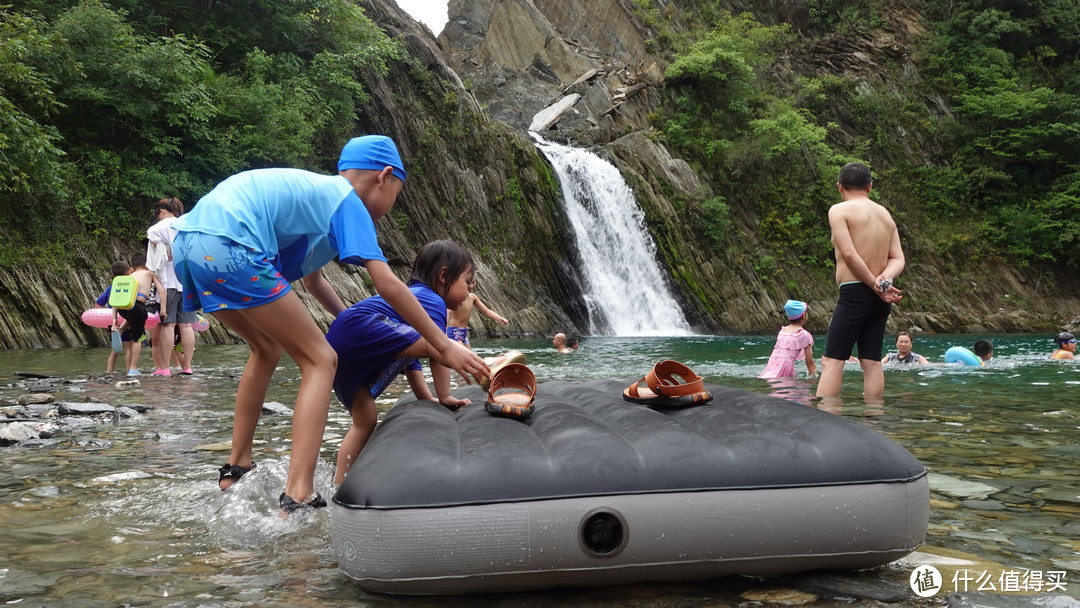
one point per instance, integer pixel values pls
(171, 204)
(437, 255)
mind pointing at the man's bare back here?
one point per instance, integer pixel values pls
(863, 235)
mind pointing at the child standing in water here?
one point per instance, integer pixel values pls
(374, 343)
(236, 252)
(458, 317)
(135, 317)
(792, 344)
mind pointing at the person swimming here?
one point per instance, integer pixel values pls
(1066, 346)
(904, 354)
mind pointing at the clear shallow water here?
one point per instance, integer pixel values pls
(129, 514)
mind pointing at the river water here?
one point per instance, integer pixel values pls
(128, 513)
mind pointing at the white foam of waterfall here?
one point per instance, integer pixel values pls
(627, 292)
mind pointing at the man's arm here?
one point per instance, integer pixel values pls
(896, 262)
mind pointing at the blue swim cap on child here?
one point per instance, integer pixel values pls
(794, 309)
(375, 152)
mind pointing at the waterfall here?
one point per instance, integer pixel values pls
(627, 292)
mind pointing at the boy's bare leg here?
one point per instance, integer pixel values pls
(832, 377)
(251, 393)
(364, 417)
(287, 322)
(136, 352)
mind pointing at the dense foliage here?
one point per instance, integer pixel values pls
(107, 106)
(975, 141)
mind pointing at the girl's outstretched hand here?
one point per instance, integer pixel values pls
(459, 358)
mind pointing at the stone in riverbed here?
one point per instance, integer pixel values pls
(127, 412)
(36, 398)
(14, 411)
(85, 409)
(142, 408)
(41, 410)
(16, 432)
(273, 407)
(865, 586)
(960, 488)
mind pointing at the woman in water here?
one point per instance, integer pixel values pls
(904, 343)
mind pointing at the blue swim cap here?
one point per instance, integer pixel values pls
(374, 152)
(794, 309)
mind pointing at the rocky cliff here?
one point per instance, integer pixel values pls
(580, 71)
(471, 179)
(460, 109)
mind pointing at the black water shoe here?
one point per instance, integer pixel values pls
(289, 505)
(234, 472)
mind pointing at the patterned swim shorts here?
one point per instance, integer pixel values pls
(458, 334)
(218, 273)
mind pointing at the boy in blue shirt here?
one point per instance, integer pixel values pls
(235, 254)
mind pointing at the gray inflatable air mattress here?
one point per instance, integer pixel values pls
(593, 490)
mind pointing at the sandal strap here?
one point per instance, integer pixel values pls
(233, 471)
(662, 379)
(634, 390)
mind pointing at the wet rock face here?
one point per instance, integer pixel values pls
(521, 56)
(578, 71)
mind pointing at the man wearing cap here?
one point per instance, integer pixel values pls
(868, 258)
(242, 244)
(1066, 346)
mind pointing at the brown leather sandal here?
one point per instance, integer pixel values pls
(512, 392)
(510, 356)
(668, 383)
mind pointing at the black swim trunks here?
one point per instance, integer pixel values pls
(136, 318)
(859, 318)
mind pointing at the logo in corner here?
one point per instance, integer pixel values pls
(925, 581)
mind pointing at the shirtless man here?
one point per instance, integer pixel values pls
(564, 344)
(457, 319)
(868, 258)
